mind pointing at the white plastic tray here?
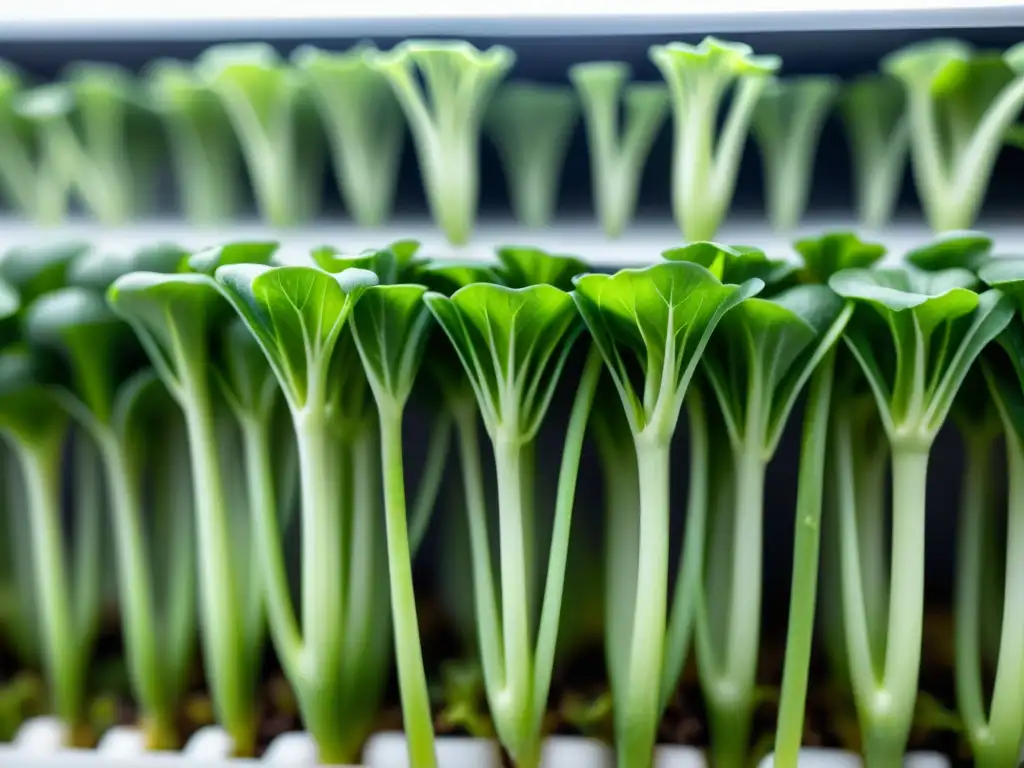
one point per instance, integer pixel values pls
(108, 19)
(642, 244)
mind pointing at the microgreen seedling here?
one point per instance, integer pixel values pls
(531, 125)
(682, 305)
(203, 147)
(118, 405)
(873, 111)
(960, 104)
(364, 123)
(29, 178)
(783, 339)
(705, 165)
(995, 731)
(299, 317)
(263, 99)
(445, 116)
(177, 318)
(618, 147)
(513, 343)
(787, 124)
(915, 336)
(821, 257)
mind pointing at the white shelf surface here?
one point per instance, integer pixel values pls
(640, 245)
(271, 18)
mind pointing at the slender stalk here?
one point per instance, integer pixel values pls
(325, 485)
(974, 511)
(63, 654)
(513, 565)
(430, 482)
(412, 679)
(142, 647)
(266, 529)
(484, 598)
(892, 708)
(870, 468)
(622, 553)
(547, 635)
(691, 567)
(363, 668)
(997, 742)
(89, 532)
(803, 592)
(227, 656)
(730, 695)
(648, 635)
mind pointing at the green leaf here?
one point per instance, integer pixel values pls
(722, 57)
(397, 263)
(915, 335)
(251, 78)
(208, 261)
(173, 316)
(832, 252)
(444, 113)
(391, 325)
(80, 324)
(513, 343)
(97, 270)
(364, 123)
(297, 315)
(734, 264)
(1006, 274)
(656, 322)
(28, 411)
(33, 271)
(768, 351)
(937, 66)
(45, 103)
(448, 275)
(522, 266)
(246, 378)
(619, 144)
(952, 250)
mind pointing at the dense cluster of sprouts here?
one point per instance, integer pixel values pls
(215, 402)
(95, 135)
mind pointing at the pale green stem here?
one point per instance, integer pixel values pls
(269, 549)
(207, 176)
(412, 679)
(730, 695)
(511, 713)
(229, 661)
(173, 509)
(974, 514)
(997, 742)
(547, 634)
(691, 566)
(451, 176)
(89, 531)
(891, 708)
(484, 598)
(870, 469)
(622, 553)
(323, 572)
(425, 501)
(803, 591)
(142, 648)
(64, 654)
(639, 731)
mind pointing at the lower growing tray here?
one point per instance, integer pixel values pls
(38, 745)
